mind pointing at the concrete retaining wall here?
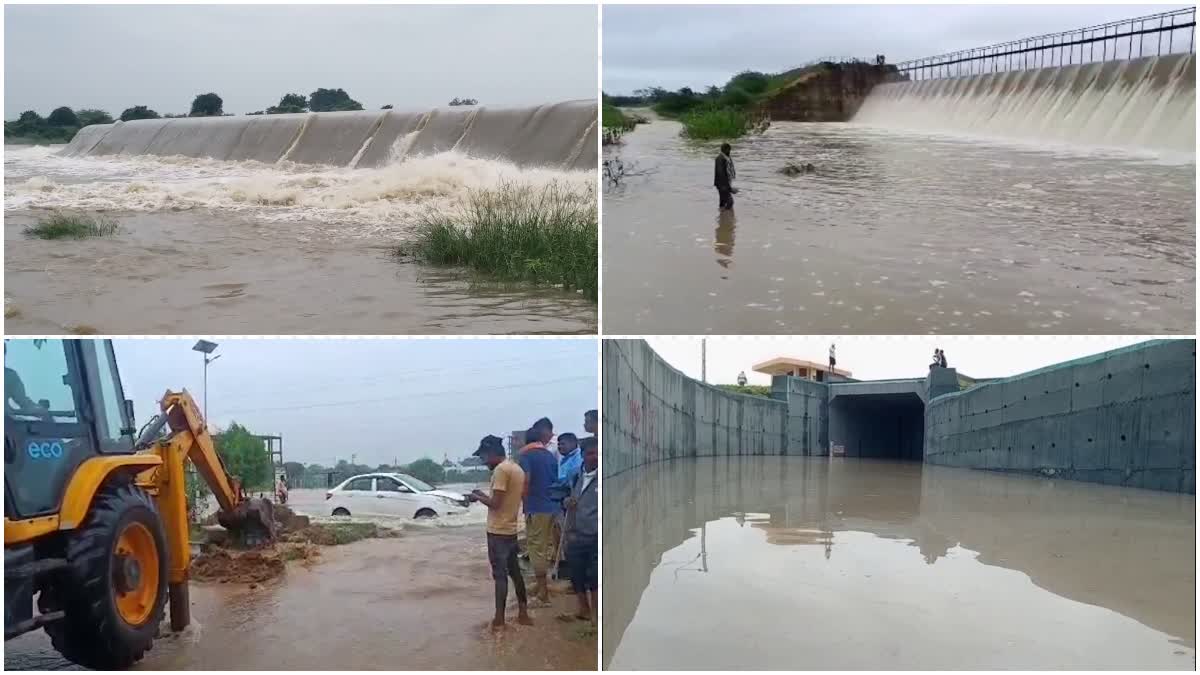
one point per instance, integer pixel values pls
(808, 414)
(653, 412)
(1124, 417)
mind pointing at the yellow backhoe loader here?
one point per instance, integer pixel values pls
(95, 519)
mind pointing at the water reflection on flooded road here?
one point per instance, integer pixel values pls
(807, 563)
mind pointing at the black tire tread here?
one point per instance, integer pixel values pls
(89, 635)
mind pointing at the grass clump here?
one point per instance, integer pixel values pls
(518, 232)
(716, 122)
(72, 226)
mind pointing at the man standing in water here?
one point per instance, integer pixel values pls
(508, 482)
(541, 473)
(723, 177)
(583, 532)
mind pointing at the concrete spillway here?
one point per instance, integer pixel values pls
(559, 135)
(1147, 103)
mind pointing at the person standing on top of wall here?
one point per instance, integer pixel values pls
(832, 357)
(541, 472)
(723, 176)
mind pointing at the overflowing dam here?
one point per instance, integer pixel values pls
(558, 135)
(1147, 103)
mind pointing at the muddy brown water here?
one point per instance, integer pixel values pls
(807, 563)
(207, 246)
(418, 602)
(897, 232)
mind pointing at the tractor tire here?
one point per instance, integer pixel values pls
(105, 627)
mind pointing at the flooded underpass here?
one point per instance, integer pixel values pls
(818, 563)
(897, 231)
(418, 601)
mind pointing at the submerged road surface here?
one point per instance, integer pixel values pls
(897, 232)
(807, 563)
(418, 602)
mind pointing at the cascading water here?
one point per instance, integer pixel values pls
(1147, 104)
(530, 136)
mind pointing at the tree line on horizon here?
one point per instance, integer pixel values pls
(61, 125)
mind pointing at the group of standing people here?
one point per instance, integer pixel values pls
(939, 359)
(559, 493)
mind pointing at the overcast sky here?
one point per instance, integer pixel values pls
(698, 45)
(379, 399)
(413, 57)
(881, 358)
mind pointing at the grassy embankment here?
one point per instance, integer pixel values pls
(544, 235)
(61, 225)
(616, 122)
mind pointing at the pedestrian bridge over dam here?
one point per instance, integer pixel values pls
(1124, 417)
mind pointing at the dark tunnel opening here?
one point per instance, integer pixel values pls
(879, 426)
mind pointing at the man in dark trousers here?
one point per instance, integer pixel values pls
(504, 505)
(583, 527)
(723, 176)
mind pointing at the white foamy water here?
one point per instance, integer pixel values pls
(364, 202)
(1146, 104)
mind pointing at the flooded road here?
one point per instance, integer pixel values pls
(421, 601)
(807, 563)
(250, 248)
(897, 232)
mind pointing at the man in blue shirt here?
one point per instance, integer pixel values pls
(541, 473)
(570, 459)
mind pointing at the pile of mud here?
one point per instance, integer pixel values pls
(296, 538)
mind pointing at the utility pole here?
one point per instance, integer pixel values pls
(704, 360)
(206, 348)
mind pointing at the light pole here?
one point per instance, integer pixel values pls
(206, 348)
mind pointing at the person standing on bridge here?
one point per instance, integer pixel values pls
(508, 482)
(723, 176)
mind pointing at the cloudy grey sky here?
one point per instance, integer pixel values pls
(701, 45)
(411, 56)
(379, 399)
(880, 358)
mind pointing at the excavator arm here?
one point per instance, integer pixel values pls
(250, 521)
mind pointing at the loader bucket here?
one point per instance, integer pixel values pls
(251, 522)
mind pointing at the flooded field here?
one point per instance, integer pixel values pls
(421, 601)
(897, 232)
(251, 248)
(807, 563)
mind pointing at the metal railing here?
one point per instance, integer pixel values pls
(1154, 35)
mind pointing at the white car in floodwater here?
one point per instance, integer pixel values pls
(393, 494)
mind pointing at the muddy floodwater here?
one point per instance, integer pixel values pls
(250, 248)
(807, 563)
(897, 232)
(421, 601)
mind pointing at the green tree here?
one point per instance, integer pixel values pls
(427, 470)
(327, 100)
(290, 103)
(207, 105)
(749, 81)
(387, 107)
(463, 101)
(63, 117)
(245, 456)
(30, 118)
(138, 112)
(90, 116)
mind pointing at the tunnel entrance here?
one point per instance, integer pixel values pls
(882, 426)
